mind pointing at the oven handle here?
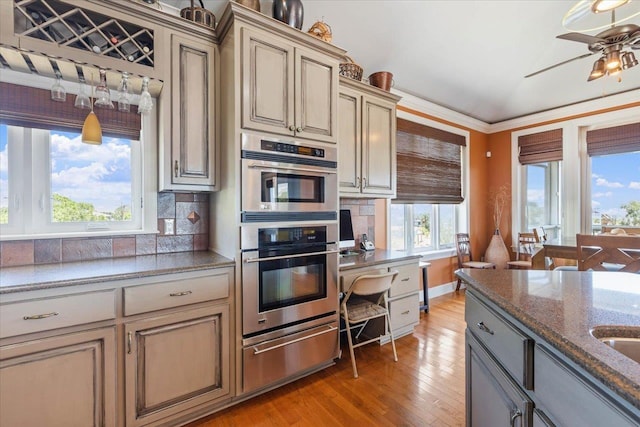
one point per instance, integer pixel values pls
(292, 168)
(306, 337)
(272, 258)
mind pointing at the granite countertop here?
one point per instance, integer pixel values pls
(366, 259)
(44, 276)
(562, 307)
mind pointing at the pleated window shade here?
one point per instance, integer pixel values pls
(32, 107)
(428, 164)
(540, 147)
(614, 140)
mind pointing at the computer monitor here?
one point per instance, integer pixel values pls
(347, 241)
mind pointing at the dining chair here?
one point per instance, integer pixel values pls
(526, 247)
(465, 259)
(608, 253)
(366, 299)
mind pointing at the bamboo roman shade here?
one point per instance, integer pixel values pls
(540, 147)
(32, 107)
(428, 164)
(614, 140)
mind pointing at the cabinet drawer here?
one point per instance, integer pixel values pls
(509, 345)
(570, 398)
(404, 312)
(174, 293)
(407, 280)
(57, 312)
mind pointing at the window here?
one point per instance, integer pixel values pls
(53, 184)
(422, 227)
(614, 156)
(538, 181)
(425, 214)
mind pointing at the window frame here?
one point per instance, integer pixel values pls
(144, 185)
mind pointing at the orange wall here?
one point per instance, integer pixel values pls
(500, 171)
(441, 271)
(486, 175)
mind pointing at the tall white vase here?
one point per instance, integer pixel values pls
(497, 252)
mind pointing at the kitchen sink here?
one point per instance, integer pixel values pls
(626, 340)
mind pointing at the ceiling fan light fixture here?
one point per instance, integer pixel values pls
(613, 59)
(599, 6)
(598, 70)
(615, 71)
(628, 60)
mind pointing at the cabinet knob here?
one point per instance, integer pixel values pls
(292, 128)
(129, 339)
(364, 183)
(485, 328)
(298, 129)
(357, 182)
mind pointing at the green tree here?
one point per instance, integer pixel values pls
(122, 213)
(4, 215)
(633, 213)
(67, 210)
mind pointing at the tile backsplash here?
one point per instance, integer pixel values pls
(362, 217)
(188, 212)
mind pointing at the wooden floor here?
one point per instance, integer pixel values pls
(424, 388)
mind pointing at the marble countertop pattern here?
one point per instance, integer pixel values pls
(367, 259)
(44, 276)
(562, 307)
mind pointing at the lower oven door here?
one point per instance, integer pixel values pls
(288, 288)
(276, 359)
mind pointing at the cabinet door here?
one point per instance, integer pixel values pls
(378, 147)
(267, 83)
(63, 381)
(493, 398)
(175, 362)
(316, 91)
(349, 140)
(193, 111)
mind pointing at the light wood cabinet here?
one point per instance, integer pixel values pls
(366, 140)
(404, 297)
(287, 89)
(175, 362)
(66, 380)
(188, 155)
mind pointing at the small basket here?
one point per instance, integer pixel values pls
(351, 69)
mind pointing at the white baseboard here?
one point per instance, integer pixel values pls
(440, 290)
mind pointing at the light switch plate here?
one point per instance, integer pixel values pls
(169, 226)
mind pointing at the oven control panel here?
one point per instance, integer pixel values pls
(283, 147)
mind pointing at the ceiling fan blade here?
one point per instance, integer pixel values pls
(582, 38)
(559, 64)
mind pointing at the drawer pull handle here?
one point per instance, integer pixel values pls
(40, 316)
(129, 339)
(175, 169)
(485, 328)
(180, 294)
(405, 312)
(517, 413)
(406, 279)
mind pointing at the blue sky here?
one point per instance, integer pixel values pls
(100, 175)
(615, 180)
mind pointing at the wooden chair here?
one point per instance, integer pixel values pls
(608, 253)
(366, 299)
(526, 247)
(465, 259)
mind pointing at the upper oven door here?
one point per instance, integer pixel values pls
(288, 177)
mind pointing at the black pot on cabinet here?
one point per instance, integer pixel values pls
(290, 12)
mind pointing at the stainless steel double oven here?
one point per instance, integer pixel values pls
(288, 240)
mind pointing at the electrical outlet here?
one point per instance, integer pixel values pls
(169, 226)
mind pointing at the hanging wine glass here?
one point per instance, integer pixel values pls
(103, 97)
(124, 96)
(82, 98)
(146, 103)
(58, 92)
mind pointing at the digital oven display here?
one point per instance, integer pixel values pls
(282, 147)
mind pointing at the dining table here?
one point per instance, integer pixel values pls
(560, 247)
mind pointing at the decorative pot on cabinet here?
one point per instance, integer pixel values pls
(290, 12)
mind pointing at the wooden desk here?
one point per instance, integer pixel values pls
(564, 247)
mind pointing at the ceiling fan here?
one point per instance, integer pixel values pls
(610, 43)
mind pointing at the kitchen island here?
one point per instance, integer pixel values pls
(529, 334)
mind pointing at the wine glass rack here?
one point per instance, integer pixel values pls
(72, 26)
